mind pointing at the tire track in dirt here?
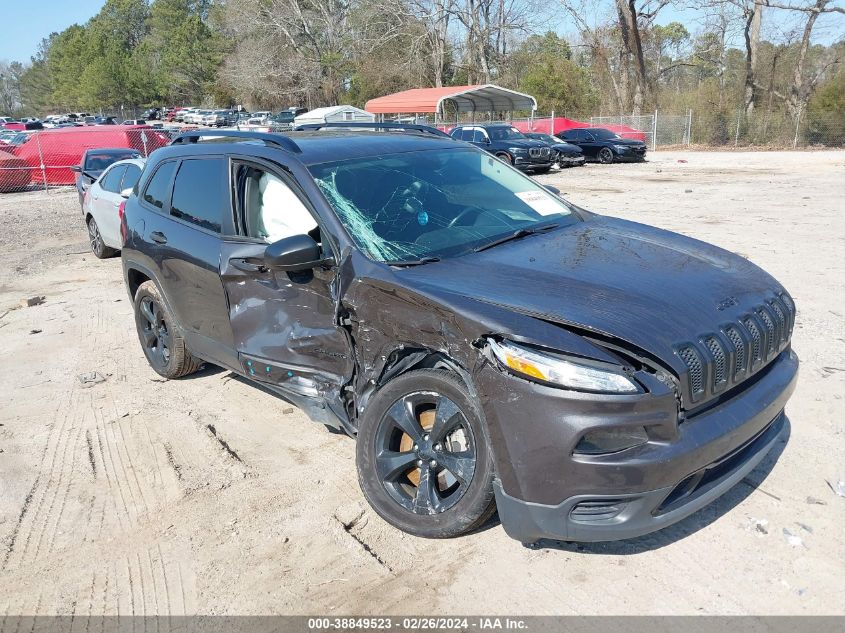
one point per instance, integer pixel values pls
(28, 523)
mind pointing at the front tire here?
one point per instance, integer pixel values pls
(423, 457)
(605, 155)
(98, 247)
(505, 157)
(162, 344)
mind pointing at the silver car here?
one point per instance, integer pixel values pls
(101, 205)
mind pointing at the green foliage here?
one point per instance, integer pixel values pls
(543, 68)
(826, 113)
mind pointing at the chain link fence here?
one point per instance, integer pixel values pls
(43, 159)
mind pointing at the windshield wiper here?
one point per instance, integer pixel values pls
(515, 236)
(413, 262)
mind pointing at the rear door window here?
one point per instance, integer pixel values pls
(111, 181)
(201, 193)
(130, 177)
(158, 188)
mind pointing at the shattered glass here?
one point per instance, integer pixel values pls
(416, 205)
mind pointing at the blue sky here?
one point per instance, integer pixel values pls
(25, 24)
(29, 26)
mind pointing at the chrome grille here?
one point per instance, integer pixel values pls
(537, 152)
(718, 358)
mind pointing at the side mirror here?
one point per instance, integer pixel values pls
(294, 254)
(76, 168)
(552, 189)
(486, 140)
(126, 192)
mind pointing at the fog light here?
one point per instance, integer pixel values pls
(611, 440)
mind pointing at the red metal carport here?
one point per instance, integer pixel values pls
(478, 98)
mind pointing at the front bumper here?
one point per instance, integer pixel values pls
(570, 160)
(543, 490)
(525, 162)
(630, 153)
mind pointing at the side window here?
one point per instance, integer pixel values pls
(479, 136)
(587, 136)
(130, 178)
(458, 133)
(111, 181)
(270, 208)
(201, 192)
(159, 186)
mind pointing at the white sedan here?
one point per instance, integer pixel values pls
(101, 205)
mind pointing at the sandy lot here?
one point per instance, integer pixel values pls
(121, 497)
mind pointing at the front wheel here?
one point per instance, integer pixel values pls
(505, 157)
(423, 457)
(605, 155)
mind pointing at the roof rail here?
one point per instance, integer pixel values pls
(277, 140)
(399, 127)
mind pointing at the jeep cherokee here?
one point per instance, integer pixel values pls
(488, 343)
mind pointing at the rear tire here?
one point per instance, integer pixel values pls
(437, 480)
(98, 247)
(163, 346)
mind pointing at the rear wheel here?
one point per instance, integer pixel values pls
(96, 240)
(605, 155)
(163, 346)
(423, 457)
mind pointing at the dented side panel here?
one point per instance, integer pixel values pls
(284, 325)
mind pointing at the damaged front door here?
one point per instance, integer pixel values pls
(285, 326)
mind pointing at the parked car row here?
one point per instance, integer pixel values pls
(530, 151)
(488, 344)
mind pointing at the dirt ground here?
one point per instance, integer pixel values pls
(208, 495)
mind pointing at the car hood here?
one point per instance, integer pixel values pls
(627, 141)
(651, 288)
(522, 142)
(567, 147)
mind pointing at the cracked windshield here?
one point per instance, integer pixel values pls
(419, 206)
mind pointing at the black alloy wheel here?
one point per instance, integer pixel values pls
(425, 452)
(423, 456)
(155, 335)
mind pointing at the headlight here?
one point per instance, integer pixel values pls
(570, 373)
(620, 148)
(517, 150)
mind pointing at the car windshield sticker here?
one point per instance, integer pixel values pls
(540, 201)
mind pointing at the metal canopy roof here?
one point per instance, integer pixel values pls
(480, 98)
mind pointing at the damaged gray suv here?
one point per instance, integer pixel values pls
(490, 345)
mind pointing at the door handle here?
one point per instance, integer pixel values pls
(158, 237)
(248, 266)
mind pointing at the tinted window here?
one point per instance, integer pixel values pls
(457, 133)
(111, 181)
(201, 192)
(133, 172)
(478, 136)
(158, 188)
